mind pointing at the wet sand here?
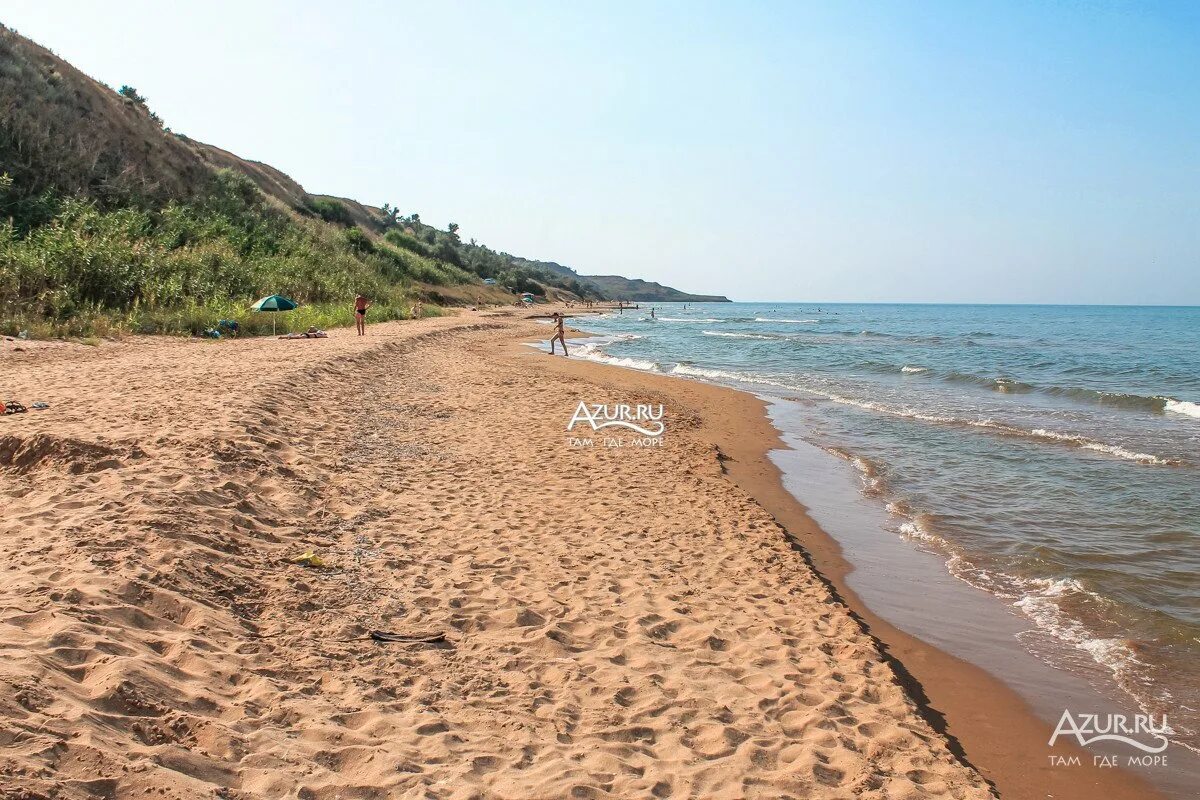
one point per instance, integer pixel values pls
(601, 622)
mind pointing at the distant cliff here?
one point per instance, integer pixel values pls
(618, 288)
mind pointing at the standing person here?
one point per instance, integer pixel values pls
(558, 333)
(651, 312)
(361, 304)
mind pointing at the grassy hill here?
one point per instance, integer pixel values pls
(109, 221)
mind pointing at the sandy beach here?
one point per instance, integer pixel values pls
(592, 621)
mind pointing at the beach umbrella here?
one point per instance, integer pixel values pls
(275, 302)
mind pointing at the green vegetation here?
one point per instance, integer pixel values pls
(182, 267)
(110, 223)
(410, 243)
(328, 210)
(72, 266)
(131, 93)
(516, 274)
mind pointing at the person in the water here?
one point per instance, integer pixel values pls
(558, 333)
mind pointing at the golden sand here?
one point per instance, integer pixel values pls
(613, 622)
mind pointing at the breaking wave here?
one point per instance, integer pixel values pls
(1182, 407)
(1000, 384)
(740, 335)
(591, 351)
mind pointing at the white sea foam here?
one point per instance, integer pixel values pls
(1100, 447)
(1182, 407)
(684, 319)
(907, 368)
(711, 374)
(916, 529)
(632, 363)
(872, 484)
(1037, 599)
(591, 351)
(796, 321)
(1040, 604)
(1057, 587)
(723, 375)
(738, 335)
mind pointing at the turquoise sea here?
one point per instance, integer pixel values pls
(1050, 454)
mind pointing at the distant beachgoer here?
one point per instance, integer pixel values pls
(361, 304)
(558, 333)
(651, 312)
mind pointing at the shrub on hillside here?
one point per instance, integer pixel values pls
(329, 210)
(402, 239)
(447, 252)
(356, 241)
(130, 93)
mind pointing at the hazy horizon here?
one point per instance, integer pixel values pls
(875, 153)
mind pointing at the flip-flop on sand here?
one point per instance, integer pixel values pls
(13, 407)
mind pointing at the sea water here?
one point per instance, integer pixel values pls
(1049, 454)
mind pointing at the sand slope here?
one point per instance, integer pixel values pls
(619, 622)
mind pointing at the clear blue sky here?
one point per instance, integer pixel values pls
(924, 151)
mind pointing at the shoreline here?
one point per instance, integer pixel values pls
(613, 624)
(986, 723)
